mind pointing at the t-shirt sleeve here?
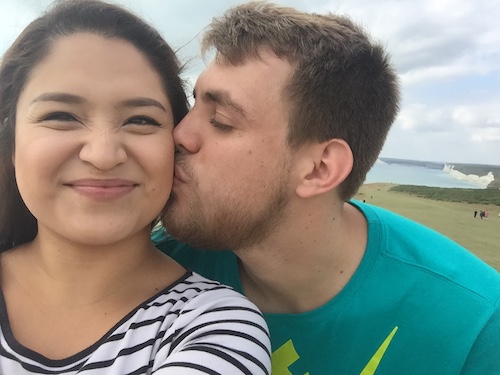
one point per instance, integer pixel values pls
(218, 332)
(484, 357)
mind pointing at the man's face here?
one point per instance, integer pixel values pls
(231, 181)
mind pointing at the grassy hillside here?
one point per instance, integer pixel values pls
(475, 196)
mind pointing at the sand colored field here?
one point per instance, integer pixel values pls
(455, 220)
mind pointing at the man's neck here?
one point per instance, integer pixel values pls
(306, 262)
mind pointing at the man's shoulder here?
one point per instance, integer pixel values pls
(419, 249)
(183, 252)
(220, 265)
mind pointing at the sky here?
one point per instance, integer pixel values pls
(446, 52)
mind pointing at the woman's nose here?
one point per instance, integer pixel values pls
(104, 150)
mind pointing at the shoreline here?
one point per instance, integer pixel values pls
(484, 175)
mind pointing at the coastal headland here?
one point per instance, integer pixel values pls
(450, 212)
(489, 175)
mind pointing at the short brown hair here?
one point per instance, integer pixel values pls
(343, 85)
(68, 17)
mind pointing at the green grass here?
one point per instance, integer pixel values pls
(451, 214)
(475, 196)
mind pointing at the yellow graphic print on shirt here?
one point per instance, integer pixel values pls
(286, 355)
(374, 361)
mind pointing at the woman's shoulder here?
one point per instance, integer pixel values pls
(195, 315)
(194, 291)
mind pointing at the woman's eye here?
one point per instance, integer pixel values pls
(220, 126)
(59, 116)
(142, 120)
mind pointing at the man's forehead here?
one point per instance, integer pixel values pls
(250, 88)
(221, 80)
(213, 89)
(266, 69)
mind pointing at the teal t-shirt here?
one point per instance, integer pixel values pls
(417, 304)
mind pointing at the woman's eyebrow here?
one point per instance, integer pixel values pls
(62, 97)
(143, 102)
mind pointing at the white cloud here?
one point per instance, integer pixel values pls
(14, 16)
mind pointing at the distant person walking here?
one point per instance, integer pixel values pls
(481, 214)
(475, 213)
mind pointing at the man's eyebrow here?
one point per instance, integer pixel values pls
(223, 98)
(62, 97)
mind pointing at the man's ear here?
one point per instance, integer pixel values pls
(324, 167)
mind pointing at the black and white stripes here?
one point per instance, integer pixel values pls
(196, 326)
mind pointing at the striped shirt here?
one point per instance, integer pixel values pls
(195, 326)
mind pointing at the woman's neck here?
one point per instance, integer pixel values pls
(66, 269)
(62, 297)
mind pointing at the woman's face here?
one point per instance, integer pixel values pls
(93, 144)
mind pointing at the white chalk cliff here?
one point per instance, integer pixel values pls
(481, 180)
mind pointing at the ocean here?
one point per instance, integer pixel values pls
(414, 175)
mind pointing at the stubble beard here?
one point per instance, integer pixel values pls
(233, 221)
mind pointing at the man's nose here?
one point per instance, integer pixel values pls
(187, 136)
(104, 150)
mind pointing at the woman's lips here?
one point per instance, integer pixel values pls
(102, 189)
